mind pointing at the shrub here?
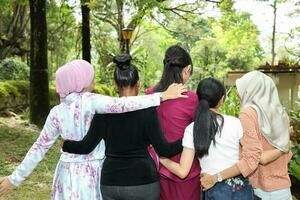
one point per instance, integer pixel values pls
(13, 69)
(231, 105)
(15, 94)
(294, 164)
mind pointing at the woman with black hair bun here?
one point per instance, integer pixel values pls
(215, 139)
(174, 117)
(128, 171)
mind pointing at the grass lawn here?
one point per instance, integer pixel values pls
(16, 137)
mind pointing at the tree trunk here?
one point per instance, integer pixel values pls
(120, 20)
(39, 83)
(274, 32)
(85, 29)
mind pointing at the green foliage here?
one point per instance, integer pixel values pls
(13, 69)
(15, 94)
(231, 105)
(294, 164)
(294, 115)
(63, 35)
(103, 89)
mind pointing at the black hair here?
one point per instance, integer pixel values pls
(125, 74)
(207, 123)
(176, 58)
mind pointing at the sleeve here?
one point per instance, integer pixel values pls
(188, 138)
(90, 140)
(156, 137)
(36, 153)
(106, 104)
(251, 146)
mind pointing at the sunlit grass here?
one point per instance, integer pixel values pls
(15, 140)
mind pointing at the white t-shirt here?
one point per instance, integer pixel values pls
(225, 152)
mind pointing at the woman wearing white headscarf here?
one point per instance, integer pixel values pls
(265, 143)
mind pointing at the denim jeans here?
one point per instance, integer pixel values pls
(237, 188)
(283, 194)
(139, 192)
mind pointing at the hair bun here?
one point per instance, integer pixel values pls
(172, 62)
(122, 61)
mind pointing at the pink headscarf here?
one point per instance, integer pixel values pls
(73, 77)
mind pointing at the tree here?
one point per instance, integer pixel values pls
(113, 13)
(64, 35)
(85, 29)
(39, 84)
(274, 5)
(13, 28)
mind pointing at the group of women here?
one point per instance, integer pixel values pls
(150, 152)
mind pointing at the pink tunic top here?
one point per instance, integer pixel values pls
(175, 116)
(270, 177)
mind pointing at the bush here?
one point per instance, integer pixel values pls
(294, 164)
(15, 94)
(13, 69)
(231, 105)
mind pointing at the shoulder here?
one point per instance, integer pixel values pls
(54, 112)
(233, 124)
(192, 97)
(189, 128)
(191, 94)
(188, 137)
(99, 117)
(231, 119)
(248, 112)
(148, 111)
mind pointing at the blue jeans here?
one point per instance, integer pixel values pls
(237, 188)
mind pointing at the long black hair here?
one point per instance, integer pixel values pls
(125, 74)
(176, 58)
(207, 123)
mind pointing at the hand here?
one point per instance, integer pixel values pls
(174, 91)
(207, 181)
(5, 186)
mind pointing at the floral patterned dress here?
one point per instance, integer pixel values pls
(76, 176)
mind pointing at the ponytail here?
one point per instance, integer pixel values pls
(207, 123)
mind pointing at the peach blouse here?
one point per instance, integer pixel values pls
(270, 177)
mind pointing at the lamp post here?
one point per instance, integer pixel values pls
(127, 33)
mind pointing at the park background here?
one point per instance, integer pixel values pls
(223, 37)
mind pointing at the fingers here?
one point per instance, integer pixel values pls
(183, 96)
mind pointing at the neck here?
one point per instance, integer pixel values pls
(214, 109)
(127, 91)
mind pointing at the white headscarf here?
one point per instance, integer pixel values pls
(258, 91)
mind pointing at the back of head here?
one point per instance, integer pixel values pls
(259, 92)
(176, 59)
(256, 85)
(210, 91)
(73, 77)
(125, 74)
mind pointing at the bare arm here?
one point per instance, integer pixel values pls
(183, 168)
(250, 153)
(270, 156)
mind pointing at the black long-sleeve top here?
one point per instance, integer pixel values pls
(127, 137)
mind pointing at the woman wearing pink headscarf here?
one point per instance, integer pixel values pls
(77, 176)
